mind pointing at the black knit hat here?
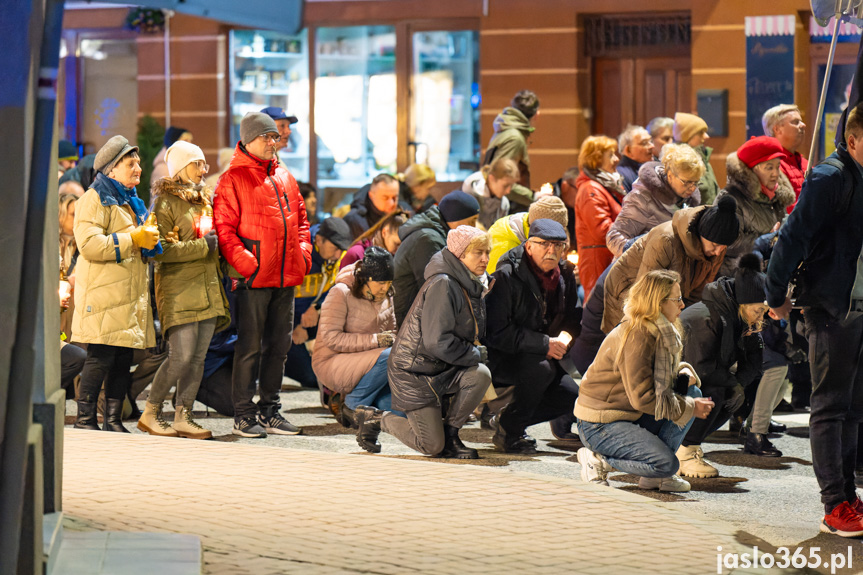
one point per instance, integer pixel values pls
(376, 266)
(750, 284)
(457, 206)
(719, 223)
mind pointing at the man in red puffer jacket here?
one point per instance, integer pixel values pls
(263, 234)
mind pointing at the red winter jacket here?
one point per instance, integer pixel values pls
(793, 165)
(261, 222)
(595, 210)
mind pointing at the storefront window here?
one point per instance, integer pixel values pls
(269, 69)
(355, 104)
(445, 109)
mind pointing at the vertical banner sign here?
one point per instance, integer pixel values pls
(769, 67)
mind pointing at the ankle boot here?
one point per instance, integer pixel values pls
(368, 428)
(152, 422)
(87, 416)
(453, 447)
(185, 425)
(758, 444)
(114, 416)
(347, 417)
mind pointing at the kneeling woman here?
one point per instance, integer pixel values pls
(637, 400)
(437, 354)
(355, 333)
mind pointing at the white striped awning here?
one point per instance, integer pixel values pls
(770, 25)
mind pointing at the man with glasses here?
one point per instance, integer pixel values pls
(263, 234)
(532, 317)
(636, 148)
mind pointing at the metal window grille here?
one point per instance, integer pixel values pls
(614, 34)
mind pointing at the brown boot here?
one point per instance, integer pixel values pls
(185, 425)
(152, 422)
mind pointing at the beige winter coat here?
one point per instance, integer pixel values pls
(112, 300)
(346, 347)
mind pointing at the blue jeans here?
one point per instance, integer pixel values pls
(645, 447)
(373, 389)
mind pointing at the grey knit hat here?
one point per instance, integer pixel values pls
(256, 124)
(111, 153)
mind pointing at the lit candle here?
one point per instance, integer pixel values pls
(573, 257)
(565, 337)
(205, 222)
(546, 188)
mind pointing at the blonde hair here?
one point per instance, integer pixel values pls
(683, 161)
(502, 168)
(417, 175)
(66, 199)
(643, 305)
(482, 242)
(592, 151)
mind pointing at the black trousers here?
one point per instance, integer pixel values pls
(72, 360)
(109, 364)
(265, 318)
(835, 350)
(701, 428)
(539, 395)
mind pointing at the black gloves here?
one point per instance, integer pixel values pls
(681, 384)
(736, 400)
(212, 241)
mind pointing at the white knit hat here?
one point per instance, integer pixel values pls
(180, 155)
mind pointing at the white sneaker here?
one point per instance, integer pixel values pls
(593, 467)
(669, 484)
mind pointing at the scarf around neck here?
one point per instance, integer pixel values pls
(113, 193)
(611, 181)
(666, 365)
(548, 281)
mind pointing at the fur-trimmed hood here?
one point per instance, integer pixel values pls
(194, 194)
(745, 180)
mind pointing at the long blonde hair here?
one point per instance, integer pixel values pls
(644, 303)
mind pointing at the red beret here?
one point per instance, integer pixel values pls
(759, 149)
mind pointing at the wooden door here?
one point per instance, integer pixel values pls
(636, 90)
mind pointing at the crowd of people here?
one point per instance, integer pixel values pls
(634, 304)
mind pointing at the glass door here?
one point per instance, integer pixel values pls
(356, 114)
(445, 106)
(270, 69)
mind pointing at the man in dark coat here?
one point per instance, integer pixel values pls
(373, 202)
(423, 236)
(824, 233)
(437, 354)
(533, 301)
(636, 148)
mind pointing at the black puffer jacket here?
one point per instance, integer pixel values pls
(714, 342)
(437, 337)
(422, 236)
(520, 319)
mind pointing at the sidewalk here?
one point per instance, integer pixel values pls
(263, 510)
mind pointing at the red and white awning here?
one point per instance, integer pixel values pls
(770, 25)
(845, 29)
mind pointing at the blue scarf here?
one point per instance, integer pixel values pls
(113, 193)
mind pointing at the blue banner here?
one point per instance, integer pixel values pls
(769, 67)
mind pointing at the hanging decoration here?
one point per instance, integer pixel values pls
(145, 20)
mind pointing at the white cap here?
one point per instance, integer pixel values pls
(180, 155)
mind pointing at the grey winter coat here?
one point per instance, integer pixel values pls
(651, 202)
(422, 236)
(436, 339)
(757, 213)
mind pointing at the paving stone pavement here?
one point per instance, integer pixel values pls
(265, 510)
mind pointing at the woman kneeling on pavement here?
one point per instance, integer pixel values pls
(189, 293)
(637, 400)
(355, 334)
(437, 354)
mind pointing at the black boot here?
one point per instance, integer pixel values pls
(758, 444)
(453, 447)
(368, 428)
(347, 417)
(114, 416)
(87, 416)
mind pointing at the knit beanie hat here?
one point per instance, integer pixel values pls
(548, 208)
(376, 266)
(750, 283)
(458, 239)
(256, 124)
(111, 153)
(457, 206)
(760, 149)
(66, 150)
(180, 155)
(686, 126)
(172, 134)
(545, 229)
(719, 223)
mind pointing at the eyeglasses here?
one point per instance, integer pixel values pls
(675, 299)
(687, 183)
(202, 166)
(545, 245)
(270, 138)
